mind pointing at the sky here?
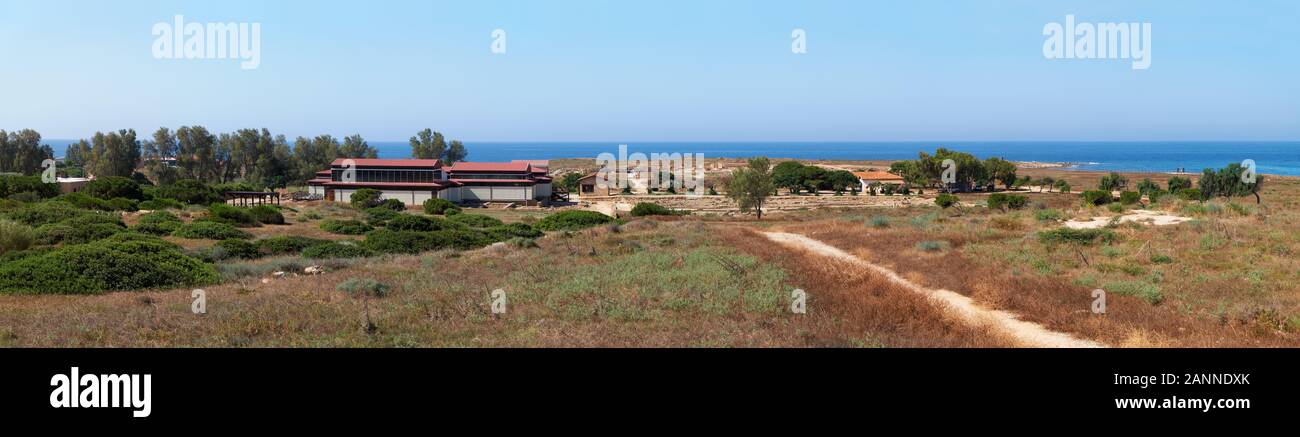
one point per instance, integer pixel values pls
(662, 70)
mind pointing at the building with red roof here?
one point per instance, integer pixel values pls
(414, 181)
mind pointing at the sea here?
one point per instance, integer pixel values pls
(1271, 157)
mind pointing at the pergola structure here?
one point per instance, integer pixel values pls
(250, 198)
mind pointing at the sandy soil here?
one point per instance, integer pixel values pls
(965, 308)
(1141, 216)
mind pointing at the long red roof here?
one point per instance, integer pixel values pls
(491, 166)
(366, 162)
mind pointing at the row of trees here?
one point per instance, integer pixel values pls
(22, 152)
(246, 155)
(969, 172)
(797, 177)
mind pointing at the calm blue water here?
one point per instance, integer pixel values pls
(1271, 157)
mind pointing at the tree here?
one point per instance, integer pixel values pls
(1146, 187)
(841, 180)
(1113, 182)
(455, 152)
(1177, 184)
(77, 154)
(1227, 183)
(314, 154)
(428, 144)
(22, 152)
(356, 147)
(750, 186)
(115, 153)
(788, 175)
(196, 153)
(1001, 170)
(570, 181)
(159, 155)
(1047, 182)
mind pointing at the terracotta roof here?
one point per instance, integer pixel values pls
(383, 184)
(528, 181)
(491, 166)
(363, 162)
(544, 163)
(877, 176)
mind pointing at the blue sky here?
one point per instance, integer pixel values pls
(659, 70)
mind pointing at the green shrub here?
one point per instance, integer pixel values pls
(234, 248)
(345, 227)
(1096, 197)
(573, 220)
(267, 214)
(879, 222)
(188, 191)
(220, 212)
(365, 198)
(124, 204)
(439, 207)
(475, 220)
(11, 185)
(391, 204)
(1115, 207)
(159, 228)
(512, 230)
(522, 243)
(15, 236)
(1190, 194)
(83, 201)
(408, 222)
(1076, 236)
(1129, 197)
(1161, 259)
(647, 209)
(125, 261)
(364, 287)
(159, 217)
(210, 231)
(945, 200)
(413, 242)
(1141, 289)
(113, 187)
(160, 204)
(1048, 215)
(287, 244)
(71, 232)
(931, 246)
(336, 250)
(37, 214)
(1003, 201)
(380, 216)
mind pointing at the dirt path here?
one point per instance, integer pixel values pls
(1028, 333)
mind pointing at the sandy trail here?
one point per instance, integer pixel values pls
(1028, 333)
(1140, 216)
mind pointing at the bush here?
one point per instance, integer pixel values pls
(931, 246)
(647, 209)
(79, 230)
(1096, 197)
(392, 204)
(1143, 290)
(945, 200)
(336, 250)
(159, 217)
(267, 214)
(408, 222)
(113, 187)
(439, 207)
(234, 248)
(287, 244)
(1129, 197)
(210, 231)
(160, 204)
(1076, 236)
(364, 287)
(879, 222)
(413, 242)
(365, 198)
(1190, 194)
(220, 212)
(125, 261)
(124, 204)
(37, 214)
(475, 220)
(1003, 201)
(380, 216)
(572, 220)
(512, 230)
(188, 191)
(1048, 215)
(159, 228)
(345, 227)
(15, 236)
(1161, 259)
(522, 243)
(83, 201)
(11, 185)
